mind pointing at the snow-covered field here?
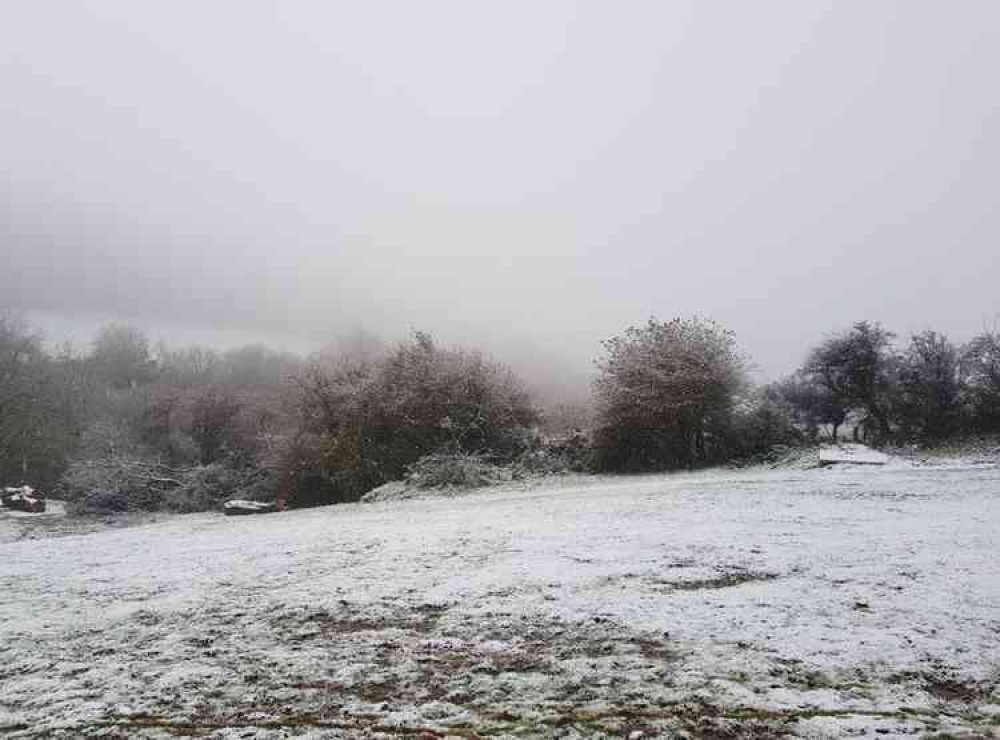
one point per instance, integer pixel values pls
(812, 603)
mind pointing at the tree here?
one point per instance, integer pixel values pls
(190, 366)
(37, 424)
(930, 387)
(359, 345)
(213, 427)
(121, 357)
(813, 404)
(856, 368)
(666, 393)
(451, 398)
(255, 365)
(981, 367)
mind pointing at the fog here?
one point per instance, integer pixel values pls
(527, 177)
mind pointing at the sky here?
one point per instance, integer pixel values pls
(527, 177)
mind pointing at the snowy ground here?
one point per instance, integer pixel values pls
(853, 454)
(20, 525)
(815, 603)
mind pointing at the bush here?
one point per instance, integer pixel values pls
(763, 428)
(127, 484)
(568, 453)
(666, 393)
(365, 422)
(316, 469)
(455, 471)
(116, 485)
(206, 487)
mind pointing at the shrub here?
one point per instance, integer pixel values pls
(455, 471)
(205, 487)
(763, 427)
(364, 422)
(127, 484)
(666, 393)
(117, 484)
(568, 453)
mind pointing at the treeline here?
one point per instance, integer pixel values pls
(927, 390)
(125, 425)
(677, 394)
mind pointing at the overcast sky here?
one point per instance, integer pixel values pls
(537, 175)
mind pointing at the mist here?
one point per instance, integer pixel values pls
(527, 178)
(517, 369)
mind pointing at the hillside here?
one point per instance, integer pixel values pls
(816, 602)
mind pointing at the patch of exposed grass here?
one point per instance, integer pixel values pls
(726, 579)
(944, 687)
(701, 720)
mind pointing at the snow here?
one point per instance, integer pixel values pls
(19, 490)
(53, 510)
(820, 602)
(23, 498)
(851, 454)
(243, 506)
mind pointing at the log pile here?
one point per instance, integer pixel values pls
(24, 498)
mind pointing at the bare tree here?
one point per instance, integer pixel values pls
(121, 357)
